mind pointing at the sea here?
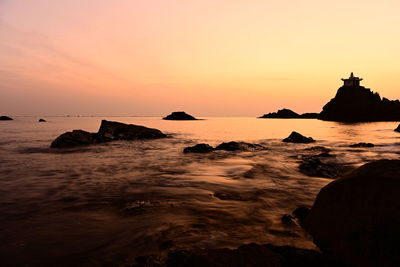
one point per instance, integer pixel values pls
(107, 204)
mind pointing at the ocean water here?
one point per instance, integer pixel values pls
(109, 203)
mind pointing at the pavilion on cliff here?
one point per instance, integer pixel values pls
(352, 81)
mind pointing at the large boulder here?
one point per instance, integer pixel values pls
(74, 139)
(239, 146)
(5, 118)
(179, 115)
(112, 130)
(397, 129)
(199, 148)
(295, 137)
(356, 218)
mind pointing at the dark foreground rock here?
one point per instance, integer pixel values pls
(355, 103)
(239, 146)
(199, 148)
(109, 130)
(362, 145)
(250, 255)
(295, 137)
(5, 118)
(74, 139)
(42, 120)
(356, 218)
(179, 115)
(397, 129)
(288, 114)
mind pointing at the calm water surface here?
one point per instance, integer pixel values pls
(111, 202)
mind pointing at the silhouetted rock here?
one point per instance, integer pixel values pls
(5, 118)
(239, 146)
(250, 255)
(42, 120)
(295, 137)
(74, 139)
(356, 218)
(301, 214)
(111, 130)
(397, 129)
(179, 115)
(288, 220)
(362, 145)
(314, 167)
(318, 148)
(199, 148)
(309, 115)
(281, 114)
(355, 103)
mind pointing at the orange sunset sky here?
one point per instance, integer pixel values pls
(208, 57)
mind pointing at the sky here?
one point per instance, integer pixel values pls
(208, 58)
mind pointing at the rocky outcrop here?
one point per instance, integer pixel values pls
(239, 146)
(295, 137)
(362, 145)
(356, 218)
(179, 115)
(42, 120)
(249, 255)
(288, 114)
(199, 148)
(397, 129)
(5, 118)
(358, 104)
(109, 130)
(74, 139)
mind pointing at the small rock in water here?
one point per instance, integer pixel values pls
(74, 139)
(42, 120)
(314, 167)
(179, 115)
(295, 137)
(199, 148)
(5, 118)
(288, 220)
(239, 146)
(318, 148)
(362, 145)
(397, 129)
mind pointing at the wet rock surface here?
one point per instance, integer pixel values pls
(356, 218)
(322, 165)
(295, 137)
(362, 145)
(179, 115)
(109, 130)
(5, 118)
(239, 146)
(199, 148)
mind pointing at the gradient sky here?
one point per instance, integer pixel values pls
(208, 57)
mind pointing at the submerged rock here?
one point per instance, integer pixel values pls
(74, 139)
(362, 145)
(239, 146)
(112, 130)
(322, 149)
(314, 167)
(295, 137)
(109, 130)
(179, 115)
(356, 218)
(5, 118)
(199, 148)
(42, 120)
(397, 129)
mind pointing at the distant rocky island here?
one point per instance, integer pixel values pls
(355, 103)
(179, 116)
(288, 114)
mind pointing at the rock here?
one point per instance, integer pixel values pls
(301, 214)
(309, 115)
(356, 218)
(281, 114)
(314, 167)
(288, 220)
(355, 103)
(42, 120)
(239, 146)
(295, 137)
(112, 130)
(318, 148)
(362, 145)
(109, 130)
(199, 148)
(5, 118)
(179, 115)
(74, 139)
(397, 129)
